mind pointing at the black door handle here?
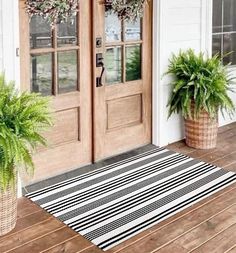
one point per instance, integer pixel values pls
(99, 79)
(100, 63)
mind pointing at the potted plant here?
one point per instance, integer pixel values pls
(23, 117)
(200, 90)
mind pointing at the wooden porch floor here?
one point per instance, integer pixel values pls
(207, 227)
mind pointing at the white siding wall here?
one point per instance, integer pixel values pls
(9, 39)
(1, 36)
(179, 24)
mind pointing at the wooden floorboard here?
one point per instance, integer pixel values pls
(221, 242)
(203, 232)
(26, 207)
(46, 241)
(231, 167)
(24, 237)
(232, 249)
(208, 226)
(73, 245)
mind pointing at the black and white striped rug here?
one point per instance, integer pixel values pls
(116, 202)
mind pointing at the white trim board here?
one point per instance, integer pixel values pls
(156, 69)
(10, 40)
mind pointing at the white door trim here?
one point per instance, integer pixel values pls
(10, 39)
(156, 73)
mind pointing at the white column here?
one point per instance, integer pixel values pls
(9, 42)
(156, 79)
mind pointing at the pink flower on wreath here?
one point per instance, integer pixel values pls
(54, 11)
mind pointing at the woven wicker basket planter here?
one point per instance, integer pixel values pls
(201, 133)
(8, 210)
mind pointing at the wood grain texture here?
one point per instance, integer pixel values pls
(231, 250)
(26, 207)
(70, 139)
(25, 236)
(204, 231)
(73, 245)
(63, 131)
(124, 112)
(93, 249)
(222, 242)
(116, 127)
(47, 241)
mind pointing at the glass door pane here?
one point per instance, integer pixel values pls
(40, 33)
(41, 74)
(113, 62)
(67, 71)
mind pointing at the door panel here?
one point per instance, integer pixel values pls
(123, 112)
(51, 65)
(122, 105)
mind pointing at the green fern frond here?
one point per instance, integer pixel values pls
(201, 79)
(23, 118)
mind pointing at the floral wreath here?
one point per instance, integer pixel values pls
(54, 11)
(128, 10)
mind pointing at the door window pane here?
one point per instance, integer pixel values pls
(67, 71)
(229, 46)
(113, 65)
(229, 16)
(67, 33)
(123, 53)
(40, 33)
(133, 63)
(224, 30)
(133, 30)
(112, 27)
(216, 44)
(217, 16)
(41, 74)
(55, 67)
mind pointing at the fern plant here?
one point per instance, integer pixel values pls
(23, 117)
(201, 80)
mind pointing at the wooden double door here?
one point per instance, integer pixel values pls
(97, 71)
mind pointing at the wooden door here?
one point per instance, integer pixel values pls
(57, 63)
(122, 100)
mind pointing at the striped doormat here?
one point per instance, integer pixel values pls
(116, 202)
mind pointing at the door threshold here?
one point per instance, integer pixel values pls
(85, 169)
